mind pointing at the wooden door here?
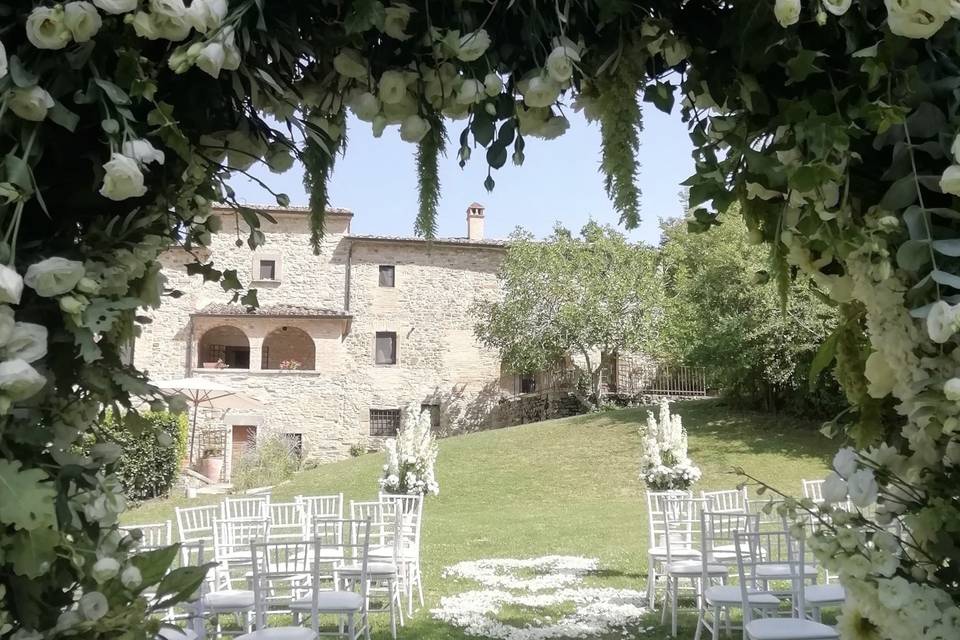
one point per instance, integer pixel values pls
(243, 436)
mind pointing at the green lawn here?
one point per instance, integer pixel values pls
(565, 487)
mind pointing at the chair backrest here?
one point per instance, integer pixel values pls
(717, 535)
(246, 507)
(681, 514)
(288, 522)
(728, 500)
(758, 549)
(384, 518)
(813, 489)
(322, 506)
(343, 542)
(768, 514)
(231, 537)
(158, 534)
(656, 503)
(196, 523)
(282, 572)
(410, 511)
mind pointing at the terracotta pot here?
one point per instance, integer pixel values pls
(210, 365)
(211, 468)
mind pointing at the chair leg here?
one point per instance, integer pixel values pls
(666, 600)
(419, 583)
(673, 607)
(718, 614)
(350, 627)
(651, 582)
(701, 622)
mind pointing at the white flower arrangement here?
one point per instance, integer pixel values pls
(411, 457)
(665, 465)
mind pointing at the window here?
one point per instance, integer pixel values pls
(388, 274)
(434, 411)
(233, 357)
(264, 357)
(386, 349)
(384, 422)
(528, 384)
(268, 269)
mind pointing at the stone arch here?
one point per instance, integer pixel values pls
(227, 343)
(286, 344)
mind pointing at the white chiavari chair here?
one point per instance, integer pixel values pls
(231, 546)
(288, 522)
(383, 570)
(682, 530)
(153, 535)
(718, 547)
(817, 596)
(756, 550)
(196, 523)
(246, 507)
(813, 489)
(656, 546)
(410, 508)
(726, 501)
(329, 506)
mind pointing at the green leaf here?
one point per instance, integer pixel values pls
(63, 116)
(20, 74)
(18, 172)
(913, 217)
(508, 131)
(365, 15)
(913, 255)
(180, 584)
(483, 128)
(926, 122)
(947, 279)
(497, 155)
(115, 93)
(901, 193)
(802, 65)
(33, 552)
(153, 565)
(26, 497)
(661, 95)
(949, 247)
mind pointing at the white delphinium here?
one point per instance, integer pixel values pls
(665, 464)
(411, 457)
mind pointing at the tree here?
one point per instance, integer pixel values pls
(723, 312)
(585, 297)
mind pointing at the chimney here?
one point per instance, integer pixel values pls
(475, 221)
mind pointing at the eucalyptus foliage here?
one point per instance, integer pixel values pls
(583, 297)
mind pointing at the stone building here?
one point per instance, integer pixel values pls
(342, 341)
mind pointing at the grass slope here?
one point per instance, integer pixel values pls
(561, 487)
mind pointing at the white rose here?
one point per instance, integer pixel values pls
(206, 15)
(396, 20)
(116, 6)
(787, 12)
(31, 103)
(379, 124)
(93, 605)
(19, 381)
(131, 577)
(473, 45)
(67, 619)
(392, 87)
(170, 28)
(144, 25)
(142, 151)
(862, 487)
(11, 285)
(278, 158)
(880, 376)
(413, 129)
(837, 7)
(350, 64)
(82, 19)
(894, 593)
(365, 106)
(539, 91)
(492, 84)
(27, 342)
(554, 127)
(398, 112)
(46, 28)
(950, 180)
(470, 92)
(168, 8)
(942, 321)
(7, 324)
(104, 569)
(951, 389)
(122, 178)
(916, 18)
(243, 150)
(231, 54)
(834, 488)
(53, 276)
(3, 61)
(211, 59)
(560, 63)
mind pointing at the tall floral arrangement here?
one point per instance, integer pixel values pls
(665, 464)
(411, 457)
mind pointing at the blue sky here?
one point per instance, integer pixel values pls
(558, 181)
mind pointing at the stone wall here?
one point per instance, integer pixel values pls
(439, 361)
(535, 407)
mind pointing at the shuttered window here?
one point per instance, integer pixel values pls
(386, 348)
(388, 274)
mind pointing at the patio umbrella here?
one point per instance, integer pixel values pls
(207, 394)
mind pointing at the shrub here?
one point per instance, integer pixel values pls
(149, 463)
(269, 461)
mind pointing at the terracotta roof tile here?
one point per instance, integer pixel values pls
(273, 208)
(457, 241)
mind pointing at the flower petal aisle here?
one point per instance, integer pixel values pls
(537, 584)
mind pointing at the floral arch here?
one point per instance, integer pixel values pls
(831, 122)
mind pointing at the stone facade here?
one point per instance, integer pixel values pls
(325, 312)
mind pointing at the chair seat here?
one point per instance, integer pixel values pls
(819, 594)
(680, 552)
(730, 594)
(789, 629)
(229, 599)
(781, 570)
(176, 633)
(373, 568)
(280, 633)
(331, 602)
(694, 568)
(242, 555)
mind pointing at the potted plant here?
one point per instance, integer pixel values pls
(219, 364)
(211, 463)
(291, 365)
